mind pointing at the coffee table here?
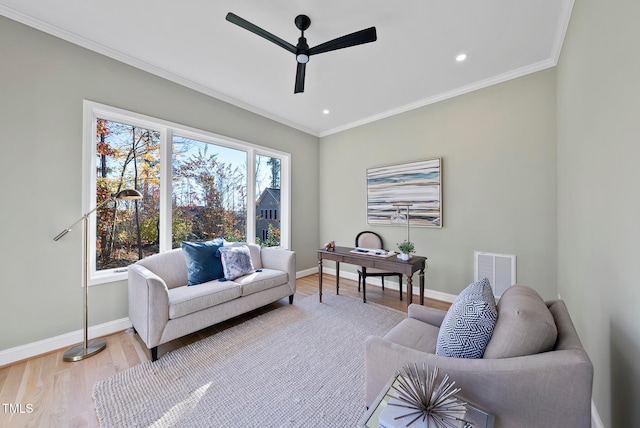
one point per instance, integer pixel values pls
(477, 417)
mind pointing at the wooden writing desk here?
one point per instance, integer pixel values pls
(391, 263)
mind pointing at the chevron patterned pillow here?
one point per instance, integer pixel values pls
(468, 325)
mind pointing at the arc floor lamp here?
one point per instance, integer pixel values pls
(90, 347)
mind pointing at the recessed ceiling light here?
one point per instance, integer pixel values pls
(326, 111)
(461, 57)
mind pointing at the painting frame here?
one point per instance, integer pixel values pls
(416, 183)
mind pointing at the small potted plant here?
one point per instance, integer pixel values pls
(406, 248)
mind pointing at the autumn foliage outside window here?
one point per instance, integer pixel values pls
(209, 195)
(127, 157)
(196, 186)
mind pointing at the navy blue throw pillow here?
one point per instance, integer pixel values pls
(202, 262)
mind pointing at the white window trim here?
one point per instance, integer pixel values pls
(93, 110)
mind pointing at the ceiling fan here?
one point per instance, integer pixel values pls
(302, 51)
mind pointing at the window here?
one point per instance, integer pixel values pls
(127, 157)
(209, 192)
(195, 187)
(268, 172)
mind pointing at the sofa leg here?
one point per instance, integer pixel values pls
(154, 353)
(291, 299)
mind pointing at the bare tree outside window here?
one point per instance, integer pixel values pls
(195, 186)
(209, 192)
(127, 157)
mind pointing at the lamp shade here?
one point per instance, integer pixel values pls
(91, 347)
(128, 194)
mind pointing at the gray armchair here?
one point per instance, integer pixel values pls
(547, 389)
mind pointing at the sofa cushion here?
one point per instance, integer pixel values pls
(468, 325)
(169, 265)
(414, 334)
(525, 325)
(187, 300)
(254, 249)
(236, 261)
(203, 264)
(262, 280)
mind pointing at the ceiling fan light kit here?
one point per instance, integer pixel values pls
(302, 51)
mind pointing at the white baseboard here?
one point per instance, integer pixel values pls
(596, 422)
(22, 352)
(377, 281)
(307, 272)
(30, 350)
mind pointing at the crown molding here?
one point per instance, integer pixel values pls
(144, 66)
(539, 66)
(552, 61)
(563, 26)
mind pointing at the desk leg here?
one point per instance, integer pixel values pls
(337, 278)
(422, 286)
(409, 290)
(320, 279)
(364, 284)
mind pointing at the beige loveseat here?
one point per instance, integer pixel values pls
(546, 389)
(162, 307)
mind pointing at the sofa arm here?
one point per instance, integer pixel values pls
(280, 259)
(148, 304)
(426, 314)
(547, 389)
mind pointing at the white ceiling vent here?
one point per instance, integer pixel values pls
(500, 269)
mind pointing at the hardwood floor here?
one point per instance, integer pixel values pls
(45, 391)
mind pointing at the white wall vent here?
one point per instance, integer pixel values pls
(500, 269)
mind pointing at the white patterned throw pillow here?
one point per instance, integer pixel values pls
(236, 261)
(469, 323)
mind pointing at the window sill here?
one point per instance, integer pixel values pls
(114, 275)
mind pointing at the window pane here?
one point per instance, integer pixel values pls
(209, 192)
(267, 201)
(127, 157)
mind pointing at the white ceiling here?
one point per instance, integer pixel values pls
(410, 65)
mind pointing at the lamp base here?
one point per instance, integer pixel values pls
(78, 352)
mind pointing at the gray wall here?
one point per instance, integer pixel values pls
(499, 180)
(43, 81)
(502, 164)
(598, 197)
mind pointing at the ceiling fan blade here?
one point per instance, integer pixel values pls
(359, 37)
(235, 19)
(300, 77)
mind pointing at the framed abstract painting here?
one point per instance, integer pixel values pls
(417, 184)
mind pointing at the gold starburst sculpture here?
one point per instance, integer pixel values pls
(435, 404)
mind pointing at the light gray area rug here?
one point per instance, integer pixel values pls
(300, 365)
